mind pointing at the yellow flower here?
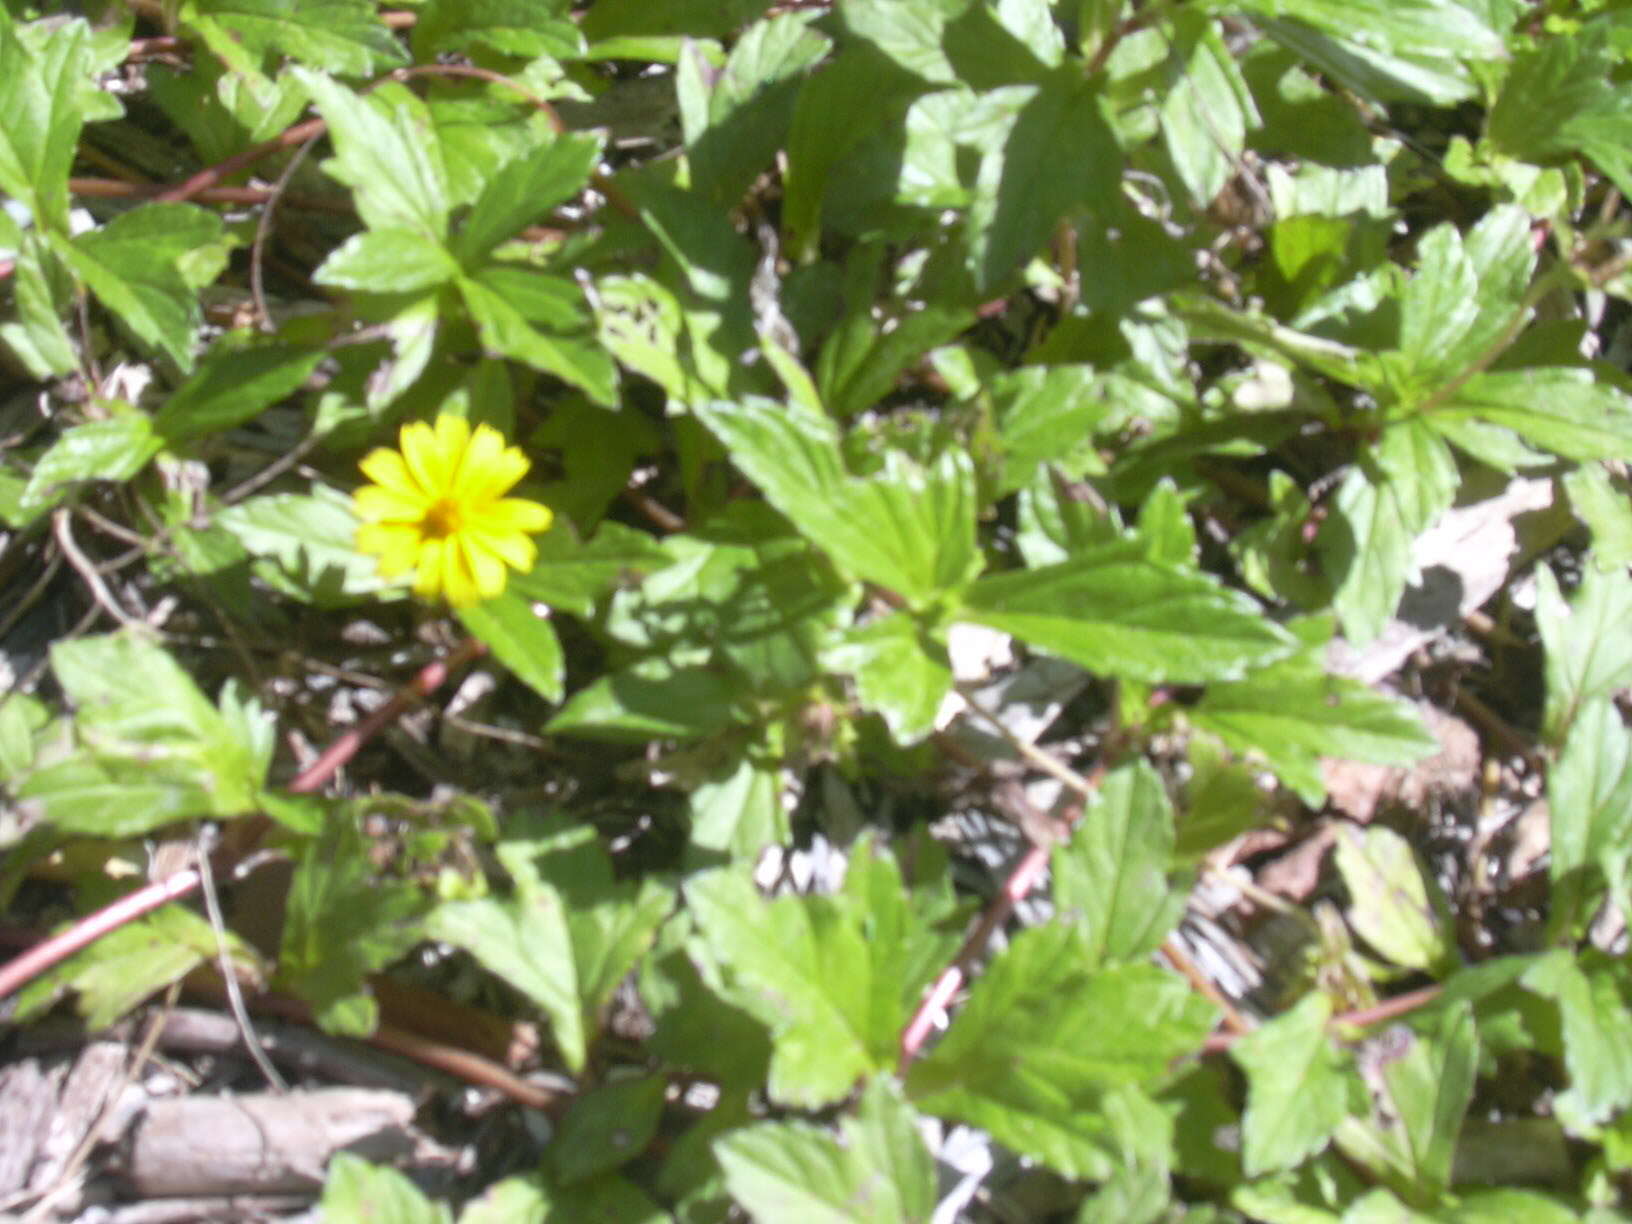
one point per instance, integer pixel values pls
(438, 507)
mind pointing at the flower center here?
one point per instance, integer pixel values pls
(443, 519)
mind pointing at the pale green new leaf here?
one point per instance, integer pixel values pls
(1112, 876)
(1299, 1087)
(1597, 1034)
(356, 1192)
(1208, 108)
(1114, 611)
(898, 672)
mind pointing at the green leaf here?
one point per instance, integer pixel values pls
(1112, 876)
(341, 36)
(1294, 712)
(1043, 413)
(312, 540)
(112, 449)
(1606, 510)
(1564, 409)
(1587, 649)
(356, 1192)
(1114, 611)
(1024, 186)
(876, 1169)
(1299, 1087)
(650, 700)
(506, 330)
(524, 190)
(387, 152)
(130, 964)
(38, 338)
(387, 261)
(834, 977)
(344, 921)
(41, 92)
(910, 528)
(567, 936)
(525, 28)
(861, 362)
(909, 34)
(1589, 803)
(607, 1127)
(738, 811)
(573, 575)
(520, 639)
(237, 379)
(1562, 96)
(1043, 1040)
(1206, 110)
(897, 672)
(1597, 1035)
(1428, 1087)
(134, 265)
(1392, 906)
(1394, 493)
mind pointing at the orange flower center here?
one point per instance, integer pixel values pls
(445, 518)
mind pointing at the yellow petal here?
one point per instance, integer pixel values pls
(458, 582)
(386, 469)
(484, 567)
(379, 504)
(493, 471)
(423, 453)
(517, 514)
(428, 575)
(514, 549)
(486, 445)
(395, 546)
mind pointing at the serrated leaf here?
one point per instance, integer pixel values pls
(1206, 110)
(1112, 876)
(311, 538)
(520, 639)
(134, 266)
(876, 1169)
(1597, 1035)
(236, 380)
(341, 36)
(910, 528)
(738, 811)
(1428, 1087)
(41, 96)
(524, 190)
(344, 920)
(897, 673)
(1588, 652)
(1563, 409)
(1043, 413)
(568, 934)
(834, 977)
(573, 575)
(1589, 803)
(387, 152)
(112, 449)
(387, 261)
(1299, 1087)
(1114, 611)
(1294, 712)
(860, 363)
(1394, 493)
(1042, 1040)
(507, 331)
(38, 338)
(1024, 186)
(1390, 906)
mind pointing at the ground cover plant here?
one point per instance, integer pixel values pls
(886, 610)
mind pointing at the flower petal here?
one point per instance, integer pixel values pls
(396, 547)
(386, 469)
(477, 468)
(517, 514)
(430, 464)
(514, 549)
(378, 504)
(484, 567)
(428, 575)
(498, 473)
(458, 582)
